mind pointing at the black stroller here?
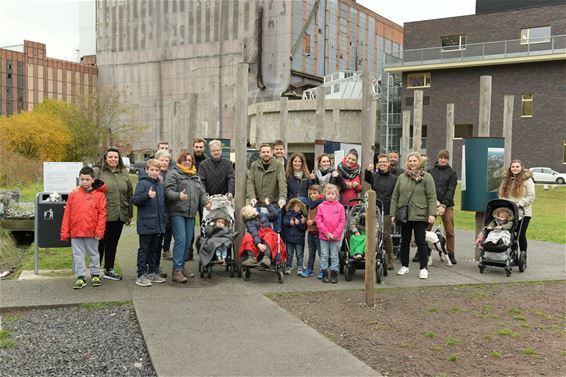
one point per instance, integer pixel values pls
(350, 263)
(502, 255)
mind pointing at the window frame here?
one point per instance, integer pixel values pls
(426, 82)
(459, 47)
(527, 40)
(461, 125)
(524, 102)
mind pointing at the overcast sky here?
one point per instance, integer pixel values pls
(66, 26)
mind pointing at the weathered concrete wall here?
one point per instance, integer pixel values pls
(341, 122)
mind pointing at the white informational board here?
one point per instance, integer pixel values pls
(463, 184)
(60, 176)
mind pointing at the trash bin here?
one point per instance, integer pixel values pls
(48, 219)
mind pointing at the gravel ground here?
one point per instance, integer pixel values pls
(90, 340)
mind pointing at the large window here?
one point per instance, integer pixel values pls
(526, 105)
(418, 80)
(453, 42)
(535, 35)
(463, 130)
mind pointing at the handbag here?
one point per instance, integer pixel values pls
(402, 213)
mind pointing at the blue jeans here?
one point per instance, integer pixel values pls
(329, 248)
(183, 229)
(292, 249)
(314, 247)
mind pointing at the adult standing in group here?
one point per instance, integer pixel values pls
(279, 151)
(266, 179)
(383, 183)
(414, 188)
(119, 207)
(445, 181)
(217, 173)
(185, 196)
(326, 173)
(518, 186)
(164, 158)
(394, 167)
(198, 151)
(298, 177)
(350, 172)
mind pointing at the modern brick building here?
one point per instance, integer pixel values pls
(522, 45)
(27, 76)
(159, 53)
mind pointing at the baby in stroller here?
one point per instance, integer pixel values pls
(217, 235)
(499, 228)
(356, 227)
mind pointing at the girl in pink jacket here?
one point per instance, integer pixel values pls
(330, 221)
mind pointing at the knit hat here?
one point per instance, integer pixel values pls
(497, 211)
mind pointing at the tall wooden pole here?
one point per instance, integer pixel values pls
(450, 130)
(241, 137)
(417, 120)
(283, 119)
(483, 131)
(405, 145)
(366, 127)
(371, 235)
(508, 127)
(320, 112)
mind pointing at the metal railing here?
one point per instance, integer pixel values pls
(347, 86)
(555, 44)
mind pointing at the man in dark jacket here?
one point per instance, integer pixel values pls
(198, 151)
(394, 167)
(217, 173)
(383, 183)
(445, 180)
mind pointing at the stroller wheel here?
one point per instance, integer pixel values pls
(209, 271)
(247, 274)
(341, 261)
(522, 262)
(481, 267)
(201, 270)
(379, 272)
(239, 270)
(280, 276)
(232, 267)
(348, 272)
(508, 271)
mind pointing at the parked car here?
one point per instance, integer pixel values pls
(137, 166)
(547, 175)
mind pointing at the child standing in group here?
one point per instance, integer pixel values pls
(330, 221)
(295, 226)
(84, 222)
(149, 197)
(314, 199)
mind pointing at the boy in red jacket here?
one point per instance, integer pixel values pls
(84, 221)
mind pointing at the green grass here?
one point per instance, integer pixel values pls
(5, 333)
(454, 357)
(514, 310)
(548, 222)
(452, 341)
(456, 309)
(436, 348)
(495, 354)
(49, 259)
(9, 318)
(404, 344)
(434, 309)
(6, 340)
(429, 334)
(530, 352)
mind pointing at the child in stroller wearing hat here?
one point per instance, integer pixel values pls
(499, 228)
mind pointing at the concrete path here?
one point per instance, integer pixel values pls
(227, 327)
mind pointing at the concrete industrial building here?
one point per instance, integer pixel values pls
(27, 76)
(521, 44)
(175, 61)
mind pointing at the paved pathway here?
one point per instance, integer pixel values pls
(227, 327)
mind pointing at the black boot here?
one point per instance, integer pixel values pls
(325, 276)
(452, 258)
(334, 277)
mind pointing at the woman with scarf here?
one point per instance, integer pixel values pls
(298, 177)
(326, 173)
(414, 188)
(349, 171)
(185, 196)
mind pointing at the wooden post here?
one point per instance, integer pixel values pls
(405, 145)
(450, 130)
(283, 119)
(417, 120)
(192, 126)
(483, 131)
(508, 127)
(241, 137)
(367, 129)
(320, 112)
(371, 236)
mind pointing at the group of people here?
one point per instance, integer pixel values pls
(303, 206)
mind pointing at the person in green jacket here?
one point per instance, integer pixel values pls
(266, 179)
(415, 188)
(119, 207)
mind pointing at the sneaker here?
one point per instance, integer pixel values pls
(265, 262)
(156, 278)
(143, 281)
(95, 281)
(423, 274)
(250, 261)
(320, 275)
(300, 271)
(162, 274)
(403, 270)
(452, 259)
(111, 275)
(288, 271)
(307, 273)
(79, 283)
